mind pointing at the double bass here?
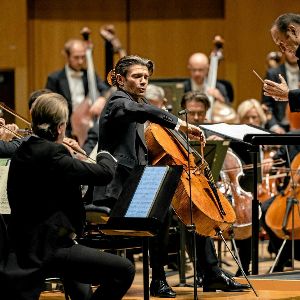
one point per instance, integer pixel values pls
(211, 210)
(218, 112)
(81, 118)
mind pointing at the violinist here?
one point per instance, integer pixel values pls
(209, 274)
(249, 112)
(42, 228)
(71, 81)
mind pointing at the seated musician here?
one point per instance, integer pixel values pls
(274, 241)
(42, 228)
(249, 112)
(121, 132)
(208, 270)
(209, 274)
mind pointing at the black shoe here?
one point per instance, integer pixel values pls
(160, 288)
(199, 280)
(224, 282)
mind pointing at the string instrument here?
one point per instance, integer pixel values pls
(232, 171)
(28, 131)
(268, 187)
(218, 112)
(210, 210)
(284, 210)
(81, 118)
(293, 118)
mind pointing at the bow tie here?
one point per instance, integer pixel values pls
(76, 74)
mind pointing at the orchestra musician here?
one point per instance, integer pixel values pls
(198, 66)
(72, 82)
(122, 134)
(249, 112)
(42, 228)
(209, 274)
(286, 35)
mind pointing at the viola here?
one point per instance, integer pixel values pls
(284, 210)
(211, 210)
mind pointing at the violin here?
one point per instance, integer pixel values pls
(24, 132)
(211, 210)
(283, 214)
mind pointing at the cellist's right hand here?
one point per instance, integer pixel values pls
(193, 132)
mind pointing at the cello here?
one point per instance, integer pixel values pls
(211, 210)
(231, 172)
(81, 118)
(283, 215)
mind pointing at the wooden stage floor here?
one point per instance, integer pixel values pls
(268, 287)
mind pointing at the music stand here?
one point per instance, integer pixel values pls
(142, 207)
(214, 155)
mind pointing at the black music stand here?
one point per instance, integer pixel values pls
(256, 140)
(252, 137)
(214, 155)
(142, 207)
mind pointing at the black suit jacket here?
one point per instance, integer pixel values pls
(45, 197)
(277, 107)
(221, 87)
(121, 132)
(58, 83)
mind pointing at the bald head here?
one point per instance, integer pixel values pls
(75, 51)
(198, 66)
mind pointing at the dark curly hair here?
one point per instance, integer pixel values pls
(123, 65)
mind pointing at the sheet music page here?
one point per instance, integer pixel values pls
(4, 206)
(146, 192)
(236, 131)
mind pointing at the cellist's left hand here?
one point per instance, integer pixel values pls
(193, 132)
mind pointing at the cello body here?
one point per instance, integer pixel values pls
(281, 215)
(210, 212)
(241, 199)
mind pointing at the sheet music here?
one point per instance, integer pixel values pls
(4, 206)
(235, 131)
(146, 192)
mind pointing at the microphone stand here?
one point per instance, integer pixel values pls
(191, 227)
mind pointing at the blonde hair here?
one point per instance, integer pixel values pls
(246, 105)
(49, 111)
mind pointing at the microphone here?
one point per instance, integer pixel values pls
(183, 112)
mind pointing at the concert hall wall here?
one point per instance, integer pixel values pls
(34, 31)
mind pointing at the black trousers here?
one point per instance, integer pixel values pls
(79, 267)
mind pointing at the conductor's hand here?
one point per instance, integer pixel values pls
(279, 91)
(193, 132)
